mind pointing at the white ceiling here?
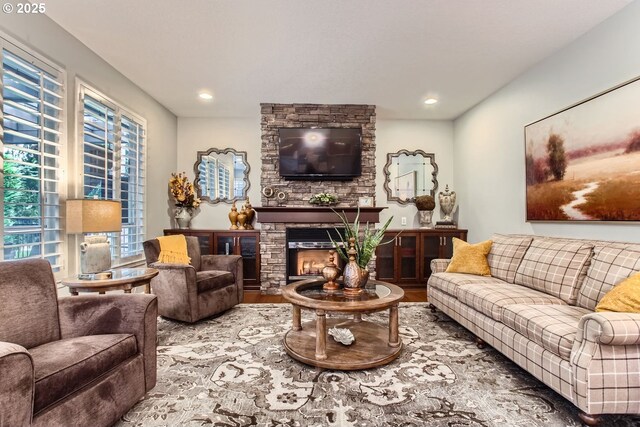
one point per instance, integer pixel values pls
(392, 53)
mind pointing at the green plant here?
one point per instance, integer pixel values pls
(366, 247)
(323, 199)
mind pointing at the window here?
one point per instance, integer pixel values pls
(113, 142)
(32, 107)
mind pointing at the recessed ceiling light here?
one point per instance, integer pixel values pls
(430, 101)
(206, 96)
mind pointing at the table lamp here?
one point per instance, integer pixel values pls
(94, 216)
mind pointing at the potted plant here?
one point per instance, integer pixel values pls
(425, 204)
(364, 244)
(185, 198)
(323, 199)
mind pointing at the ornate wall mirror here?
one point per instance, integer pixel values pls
(409, 174)
(222, 175)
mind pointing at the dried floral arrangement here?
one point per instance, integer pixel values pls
(324, 199)
(183, 191)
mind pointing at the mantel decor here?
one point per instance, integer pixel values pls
(582, 162)
(323, 199)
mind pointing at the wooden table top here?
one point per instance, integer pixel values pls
(377, 295)
(123, 276)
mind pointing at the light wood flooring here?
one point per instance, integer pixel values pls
(255, 297)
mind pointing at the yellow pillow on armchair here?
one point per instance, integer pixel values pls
(470, 259)
(623, 297)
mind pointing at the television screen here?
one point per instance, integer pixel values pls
(320, 153)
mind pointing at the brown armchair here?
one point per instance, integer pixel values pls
(210, 285)
(82, 360)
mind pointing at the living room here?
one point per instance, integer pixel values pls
(462, 85)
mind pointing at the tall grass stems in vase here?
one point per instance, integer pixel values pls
(365, 247)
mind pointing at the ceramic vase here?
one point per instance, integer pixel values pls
(183, 216)
(331, 272)
(447, 203)
(242, 219)
(352, 274)
(251, 213)
(425, 218)
(233, 216)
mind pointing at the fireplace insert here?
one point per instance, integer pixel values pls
(308, 252)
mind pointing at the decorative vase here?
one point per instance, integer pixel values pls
(364, 277)
(425, 219)
(251, 213)
(331, 272)
(233, 216)
(183, 216)
(447, 203)
(242, 219)
(352, 274)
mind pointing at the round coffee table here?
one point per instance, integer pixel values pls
(123, 279)
(374, 344)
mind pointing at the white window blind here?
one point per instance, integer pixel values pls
(113, 166)
(32, 109)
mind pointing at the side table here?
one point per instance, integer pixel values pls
(123, 279)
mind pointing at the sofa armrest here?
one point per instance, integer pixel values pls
(177, 291)
(134, 314)
(610, 328)
(232, 263)
(439, 265)
(16, 385)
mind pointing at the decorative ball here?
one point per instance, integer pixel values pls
(425, 203)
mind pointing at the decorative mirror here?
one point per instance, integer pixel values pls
(409, 174)
(222, 175)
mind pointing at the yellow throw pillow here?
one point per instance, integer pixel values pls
(623, 297)
(470, 259)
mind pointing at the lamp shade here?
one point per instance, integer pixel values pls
(93, 216)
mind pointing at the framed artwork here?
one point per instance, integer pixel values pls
(365, 202)
(583, 163)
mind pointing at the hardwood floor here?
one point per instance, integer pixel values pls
(255, 297)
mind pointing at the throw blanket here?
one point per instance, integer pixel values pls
(173, 249)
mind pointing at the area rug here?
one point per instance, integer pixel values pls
(232, 371)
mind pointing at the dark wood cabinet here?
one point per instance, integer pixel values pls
(406, 261)
(224, 242)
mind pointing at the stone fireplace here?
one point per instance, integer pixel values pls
(273, 235)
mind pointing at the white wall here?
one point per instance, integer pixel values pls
(427, 135)
(44, 36)
(489, 139)
(201, 134)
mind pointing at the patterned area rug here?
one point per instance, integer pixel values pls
(232, 371)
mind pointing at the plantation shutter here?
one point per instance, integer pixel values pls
(32, 109)
(113, 167)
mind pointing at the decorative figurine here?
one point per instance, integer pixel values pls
(233, 216)
(251, 213)
(331, 272)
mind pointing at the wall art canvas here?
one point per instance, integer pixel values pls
(583, 163)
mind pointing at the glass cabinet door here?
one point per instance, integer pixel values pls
(386, 260)
(430, 251)
(249, 249)
(225, 244)
(408, 256)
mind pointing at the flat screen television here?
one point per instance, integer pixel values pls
(320, 153)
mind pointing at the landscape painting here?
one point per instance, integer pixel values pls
(583, 163)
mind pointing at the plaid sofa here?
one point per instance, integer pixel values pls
(537, 308)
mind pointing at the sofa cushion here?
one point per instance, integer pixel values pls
(470, 259)
(490, 298)
(213, 279)
(623, 298)
(551, 326)
(610, 265)
(64, 366)
(555, 267)
(449, 283)
(506, 255)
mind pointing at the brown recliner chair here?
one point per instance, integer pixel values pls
(210, 285)
(81, 360)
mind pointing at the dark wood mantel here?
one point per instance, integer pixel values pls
(312, 214)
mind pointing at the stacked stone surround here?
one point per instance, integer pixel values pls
(276, 116)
